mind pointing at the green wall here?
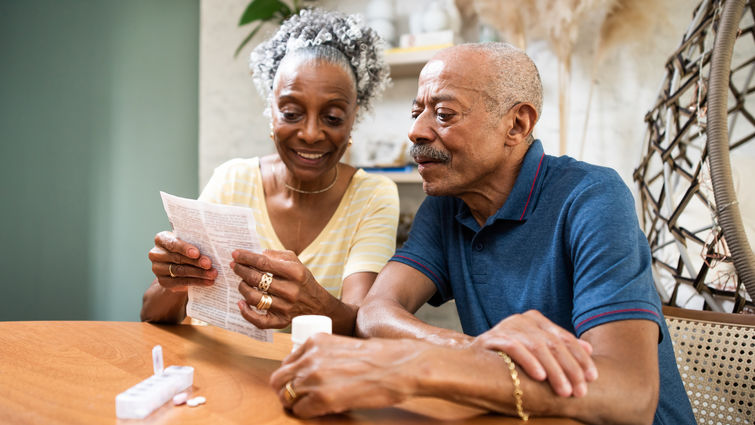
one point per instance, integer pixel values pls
(98, 112)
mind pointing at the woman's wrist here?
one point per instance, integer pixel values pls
(343, 315)
(163, 305)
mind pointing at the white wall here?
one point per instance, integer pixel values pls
(95, 119)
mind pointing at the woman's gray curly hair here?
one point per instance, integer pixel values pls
(318, 32)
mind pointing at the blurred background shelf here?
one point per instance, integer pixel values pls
(398, 176)
(409, 62)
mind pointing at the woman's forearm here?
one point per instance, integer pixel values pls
(342, 314)
(160, 305)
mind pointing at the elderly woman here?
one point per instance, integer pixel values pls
(327, 227)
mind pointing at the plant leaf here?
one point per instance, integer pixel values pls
(263, 10)
(248, 37)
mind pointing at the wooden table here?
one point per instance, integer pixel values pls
(70, 373)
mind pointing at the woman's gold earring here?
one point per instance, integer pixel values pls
(350, 141)
(272, 135)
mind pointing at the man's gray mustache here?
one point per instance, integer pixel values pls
(428, 152)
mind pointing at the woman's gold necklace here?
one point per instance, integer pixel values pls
(312, 192)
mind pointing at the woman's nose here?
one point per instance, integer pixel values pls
(311, 132)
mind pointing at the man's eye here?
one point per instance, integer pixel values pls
(444, 116)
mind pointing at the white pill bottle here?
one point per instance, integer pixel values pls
(302, 327)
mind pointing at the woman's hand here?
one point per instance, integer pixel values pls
(293, 290)
(543, 350)
(178, 264)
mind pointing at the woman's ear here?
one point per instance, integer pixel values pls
(523, 118)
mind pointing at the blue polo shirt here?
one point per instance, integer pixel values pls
(566, 243)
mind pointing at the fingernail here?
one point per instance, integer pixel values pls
(540, 375)
(567, 390)
(232, 264)
(592, 374)
(234, 254)
(206, 263)
(581, 390)
(193, 252)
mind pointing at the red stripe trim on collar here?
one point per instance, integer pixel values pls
(533, 185)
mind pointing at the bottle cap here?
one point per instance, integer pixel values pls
(302, 327)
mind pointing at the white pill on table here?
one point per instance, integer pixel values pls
(196, 401)
(180, 398)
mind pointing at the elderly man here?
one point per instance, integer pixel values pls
(536, 250)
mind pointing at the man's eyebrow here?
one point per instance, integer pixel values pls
(436, 99)
(442, 98)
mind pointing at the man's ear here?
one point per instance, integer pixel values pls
(523, 118)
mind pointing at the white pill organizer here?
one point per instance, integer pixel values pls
(143, 398)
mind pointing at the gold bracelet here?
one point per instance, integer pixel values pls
(517, 388)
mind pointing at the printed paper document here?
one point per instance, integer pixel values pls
(217, 230)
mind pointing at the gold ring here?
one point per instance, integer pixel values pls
(290, 393)
(265, 302)
(170, 270)
(265, 281)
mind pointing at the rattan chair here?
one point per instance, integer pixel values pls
(715, 354)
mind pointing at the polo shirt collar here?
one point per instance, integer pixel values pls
(521, 200)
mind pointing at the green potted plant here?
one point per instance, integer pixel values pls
(261, 11)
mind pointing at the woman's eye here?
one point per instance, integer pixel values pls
(289, 116)
(333, 120)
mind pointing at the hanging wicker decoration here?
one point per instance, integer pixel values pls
(690, 210)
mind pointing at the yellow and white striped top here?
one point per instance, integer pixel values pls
(360, 236)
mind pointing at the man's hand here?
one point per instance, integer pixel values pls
(332, 374)
(544, 350)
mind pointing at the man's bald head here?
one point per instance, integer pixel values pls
(508, 76)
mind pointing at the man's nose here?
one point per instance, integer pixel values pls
(420, 131)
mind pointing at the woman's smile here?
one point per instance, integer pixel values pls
(310, 155)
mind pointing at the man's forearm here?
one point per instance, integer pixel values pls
(481, 378)
(388, 319)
